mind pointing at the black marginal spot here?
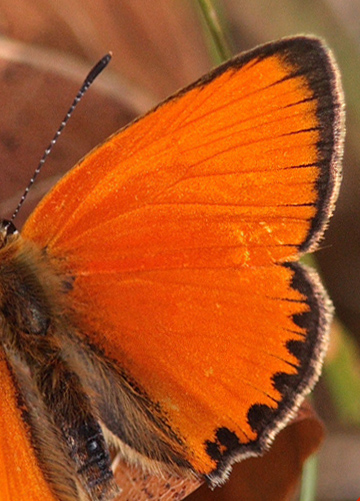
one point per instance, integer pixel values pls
(259, 415)
(225, 442)
(286, 383)
(298, 349)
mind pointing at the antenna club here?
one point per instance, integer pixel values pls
(98, 68)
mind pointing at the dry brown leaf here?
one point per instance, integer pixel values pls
(157, 43)
(139, 486)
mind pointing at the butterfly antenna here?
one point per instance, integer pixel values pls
(96, 70)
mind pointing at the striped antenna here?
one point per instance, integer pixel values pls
(96, 70)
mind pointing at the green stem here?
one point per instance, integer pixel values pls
(342, 375)
(216, 32)
(309, 479)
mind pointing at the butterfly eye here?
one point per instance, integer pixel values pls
(7, 228)
(10, 228)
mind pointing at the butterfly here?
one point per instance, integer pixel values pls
(154, 299)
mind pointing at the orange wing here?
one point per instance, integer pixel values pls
(19, 467)
(177, 231)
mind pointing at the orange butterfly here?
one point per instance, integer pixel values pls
(154, 297)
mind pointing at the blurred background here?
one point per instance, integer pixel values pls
(46, 49)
